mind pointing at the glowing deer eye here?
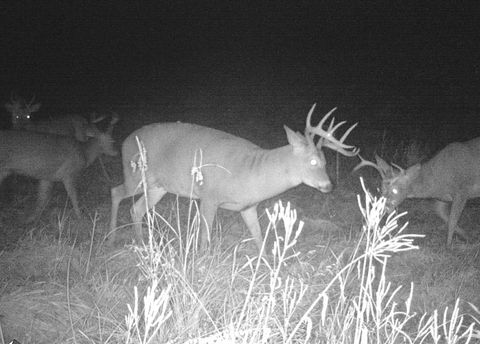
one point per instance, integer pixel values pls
(394, 191)
(314, 162)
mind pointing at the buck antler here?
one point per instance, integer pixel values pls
(327, 138)
(113, 121)
(31, 101)
(386, 170)
(364, 163)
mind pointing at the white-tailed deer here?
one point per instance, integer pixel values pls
(51, 158)
(68, 125)
(234, 173)
(451, 176)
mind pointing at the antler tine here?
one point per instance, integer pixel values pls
(309, 129)
(329, 135)
(348, 132)
(94, 118)
(320, 125)
(364, 163)
(308, 125)
(398, 167)
(344, 149)
(326, 137)
(113, 121)
(31, 100)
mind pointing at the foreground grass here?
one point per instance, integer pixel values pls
(166, 292)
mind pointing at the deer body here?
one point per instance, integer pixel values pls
(237, 174)
(452, 176)
(50, 158)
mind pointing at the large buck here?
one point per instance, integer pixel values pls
(51, 158)
(452, 176)
(69, 125)
(231, 173)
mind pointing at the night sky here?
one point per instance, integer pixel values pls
(365, 52)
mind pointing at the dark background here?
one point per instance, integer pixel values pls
(384, 62)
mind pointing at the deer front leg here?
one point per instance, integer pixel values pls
(250, 217)
(458, 204)
(44, 188)
(139, 209)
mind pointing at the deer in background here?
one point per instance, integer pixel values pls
(234, 173)
(51, 158)
(452, 176)
(70, 125)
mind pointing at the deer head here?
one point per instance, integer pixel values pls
(21, 111)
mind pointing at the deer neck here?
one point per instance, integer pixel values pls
(422, 185)
(91, 150)
(276, 170)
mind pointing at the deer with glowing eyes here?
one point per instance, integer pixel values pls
(235, 173)
(451, 178)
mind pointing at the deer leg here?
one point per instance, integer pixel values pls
(139, 209)
(72, 194)
(44, 188)
(207, 215)
(458, 204)
(117, 194)
(451, 216)
(441, 209)
(250, 217)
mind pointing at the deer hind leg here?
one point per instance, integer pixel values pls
(72, 194)
(139, 209)
(207, 215)
(458, 204)
(44, 189)
(250, 217)
(451, 216)
(117, 194)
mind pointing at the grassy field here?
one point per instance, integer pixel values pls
(60, 284)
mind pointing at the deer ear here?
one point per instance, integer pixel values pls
(413, 171)
(385, 167)
(295, 139)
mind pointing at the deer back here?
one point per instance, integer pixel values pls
(456, 168)
(69, 125)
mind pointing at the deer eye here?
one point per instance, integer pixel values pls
(313, 162)
(394, 191)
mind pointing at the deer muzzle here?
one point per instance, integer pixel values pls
(325, 187)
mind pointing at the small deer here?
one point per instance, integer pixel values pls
(452, 176)
(51, 158)
(231, 173)
(68, 125)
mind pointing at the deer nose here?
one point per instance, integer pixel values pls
(390, 206)
(326, 187)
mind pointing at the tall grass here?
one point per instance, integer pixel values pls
(224, 297)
